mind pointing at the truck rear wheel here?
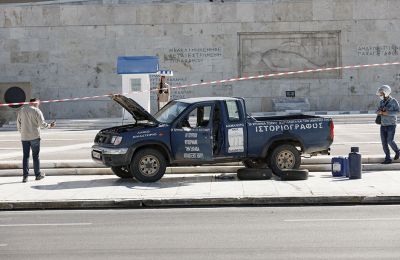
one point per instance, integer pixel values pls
(284, 156)
(122, 172)
(148, 165)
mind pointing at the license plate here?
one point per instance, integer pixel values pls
(96, 155)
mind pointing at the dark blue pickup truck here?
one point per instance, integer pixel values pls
(206, 130)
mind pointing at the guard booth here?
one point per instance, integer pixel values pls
(136, 71)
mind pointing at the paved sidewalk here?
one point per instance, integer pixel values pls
(106, 191)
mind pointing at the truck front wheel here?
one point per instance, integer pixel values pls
(122, 172)
(148, 165)
(284, 156)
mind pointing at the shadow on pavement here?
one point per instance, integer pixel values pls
(4, 183)
(166, 182)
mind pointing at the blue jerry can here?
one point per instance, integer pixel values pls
(340, 166)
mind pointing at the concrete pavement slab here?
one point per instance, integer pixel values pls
(108, 191)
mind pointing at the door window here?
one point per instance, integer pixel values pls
(233, 110)
(198, 117)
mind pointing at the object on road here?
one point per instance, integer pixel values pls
(294, 174)
(355, 165)
(223, 176)
(340, 166)
(254, 174)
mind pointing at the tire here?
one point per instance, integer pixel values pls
(284, 156)
(122, 172)
(294, 175)
(255, 163)
(254, 174)
(148, 165)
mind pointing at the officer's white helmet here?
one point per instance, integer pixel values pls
(385, 89)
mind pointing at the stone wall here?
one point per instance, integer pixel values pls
(70, 50)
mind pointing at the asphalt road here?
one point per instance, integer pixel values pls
(75, 144)
(350, 232)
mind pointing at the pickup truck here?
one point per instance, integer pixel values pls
(207, 130)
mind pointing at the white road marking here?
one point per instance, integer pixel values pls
(356, 143)
(41, 225)
(50, 150)
(3, 245)
(341, 219)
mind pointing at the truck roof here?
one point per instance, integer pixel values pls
(201, 99)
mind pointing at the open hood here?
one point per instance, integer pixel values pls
(138, 112)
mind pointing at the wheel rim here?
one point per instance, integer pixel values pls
(285, 159)
(149, 165)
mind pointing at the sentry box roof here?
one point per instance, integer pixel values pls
(137, 65)
(140, 65)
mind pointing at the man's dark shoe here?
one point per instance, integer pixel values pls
(25, 179)
(386, 161)
(397, 156)
(39, 177)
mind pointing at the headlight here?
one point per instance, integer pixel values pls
(116, 140)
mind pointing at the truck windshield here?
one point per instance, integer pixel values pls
(171, 111)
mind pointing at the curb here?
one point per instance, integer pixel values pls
(189, 170)
(50, 164)
(199, 202)
(107, 171)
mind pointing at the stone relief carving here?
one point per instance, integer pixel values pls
(263, 53)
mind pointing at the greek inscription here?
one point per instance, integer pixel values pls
(378, 50)
(192, 149)
(192, 55)
(190, 135)
(190, 142)
(144, 135)
(193, 155)
(275, 128)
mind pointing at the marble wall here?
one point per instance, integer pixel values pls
(70, 50)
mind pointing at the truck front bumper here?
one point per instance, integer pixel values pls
(110, 156)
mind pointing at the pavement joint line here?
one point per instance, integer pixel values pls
(344, 219)
(51, 150)
(45, 139)
(48, 224)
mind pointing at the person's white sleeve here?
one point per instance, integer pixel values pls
(41, 121)
(19, 121)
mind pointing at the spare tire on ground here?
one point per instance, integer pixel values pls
(254, 174)
(294, 174)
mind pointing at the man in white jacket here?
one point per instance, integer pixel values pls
(29, 121)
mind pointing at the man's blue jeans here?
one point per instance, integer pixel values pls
(27, 146)
(387, 138)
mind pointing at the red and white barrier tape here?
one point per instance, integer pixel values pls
(219, 82)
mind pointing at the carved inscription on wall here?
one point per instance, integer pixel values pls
(263, 53)
(192, 55)
(378, 50)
